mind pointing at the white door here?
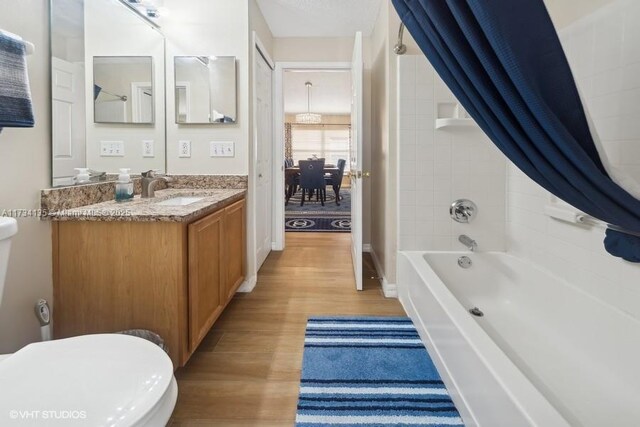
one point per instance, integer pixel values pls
(357, 106)
(68, 112)
(264, 149)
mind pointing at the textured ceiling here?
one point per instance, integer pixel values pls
(331, 92)
(320, 18)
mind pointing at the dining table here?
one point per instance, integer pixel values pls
(292, 172)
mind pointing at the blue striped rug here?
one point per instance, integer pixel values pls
(370, 371)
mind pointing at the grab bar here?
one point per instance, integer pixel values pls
(576, 217)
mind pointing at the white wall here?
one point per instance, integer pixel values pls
(438, 166)
(208, 27)
(123, 34)
(24, 170)
(604, 52)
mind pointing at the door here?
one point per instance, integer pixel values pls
(357, 106)
(207, 277)
(68, 126)
(234, 238)
(264, 154)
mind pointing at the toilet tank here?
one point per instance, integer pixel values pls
(8, 229)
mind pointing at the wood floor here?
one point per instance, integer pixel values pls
(247, 369)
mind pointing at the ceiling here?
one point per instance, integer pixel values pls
(320, 18)
(331, 92)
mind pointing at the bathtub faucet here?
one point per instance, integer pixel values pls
(468, 242)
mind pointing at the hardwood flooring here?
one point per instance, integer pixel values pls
(247, 369)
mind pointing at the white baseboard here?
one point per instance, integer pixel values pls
(390, 290)
(366, 247)
(248, 285)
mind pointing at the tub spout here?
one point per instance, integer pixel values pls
(468, 242)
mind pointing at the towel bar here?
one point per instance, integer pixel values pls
(30, 48)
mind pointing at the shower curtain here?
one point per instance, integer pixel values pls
(504, 62)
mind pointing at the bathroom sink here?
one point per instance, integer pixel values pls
(180, 201)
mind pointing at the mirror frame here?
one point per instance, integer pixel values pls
(175, 87)
(153, 88)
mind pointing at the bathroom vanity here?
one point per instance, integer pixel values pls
(169, 264)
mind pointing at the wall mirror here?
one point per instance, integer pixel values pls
(123, 89)
(205, 89)
(108, 90)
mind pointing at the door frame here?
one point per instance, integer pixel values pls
(278, 145)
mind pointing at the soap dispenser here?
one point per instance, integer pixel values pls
(82, 176)
(124, 186)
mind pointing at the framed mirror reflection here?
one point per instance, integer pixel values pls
(108, 91)
(205, 89)
(123, 89)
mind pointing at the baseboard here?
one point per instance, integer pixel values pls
(248, 285)
(390, 290)
(366, 248)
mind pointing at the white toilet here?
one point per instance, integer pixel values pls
(93, 380)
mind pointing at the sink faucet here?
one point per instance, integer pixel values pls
(149, 180)
(468, 242)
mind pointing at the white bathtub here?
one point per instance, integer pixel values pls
(544, 354)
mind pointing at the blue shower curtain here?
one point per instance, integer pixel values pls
(504, 62)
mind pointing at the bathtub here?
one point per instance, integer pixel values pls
(544, 353)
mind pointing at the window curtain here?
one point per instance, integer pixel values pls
(504, 62)
(288, 144)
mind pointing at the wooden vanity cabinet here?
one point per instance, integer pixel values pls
(172, 278)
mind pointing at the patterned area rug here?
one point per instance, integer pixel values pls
(315, 208)
(370, 371)
(318, 224)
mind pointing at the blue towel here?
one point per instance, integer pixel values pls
(16, 109)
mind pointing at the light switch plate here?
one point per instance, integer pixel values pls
(222, 149)
(184, 149)
(111, 148)
(148, 148)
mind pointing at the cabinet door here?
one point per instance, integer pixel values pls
(206, 275)
(234, 249)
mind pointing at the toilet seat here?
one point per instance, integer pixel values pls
(106, 380)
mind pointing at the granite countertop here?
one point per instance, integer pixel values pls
(148, 210)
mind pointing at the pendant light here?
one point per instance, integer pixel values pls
(308, 118)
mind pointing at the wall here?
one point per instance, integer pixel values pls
(340, 49)
(208, 27)
(24, 170)
(385, 139)
(438, 166)
(123, 34)
(604, 52)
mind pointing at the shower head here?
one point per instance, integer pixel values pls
(400, 48)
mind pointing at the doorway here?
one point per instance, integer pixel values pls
(283, 160)
(317, 134)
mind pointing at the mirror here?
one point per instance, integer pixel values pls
(205, 89)
(123, 89)
(108, 90)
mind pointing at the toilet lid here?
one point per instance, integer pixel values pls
(98, 380)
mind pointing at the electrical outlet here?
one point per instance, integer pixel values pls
(184, 148)
(222, 149)
(111, 148)
(147, 148)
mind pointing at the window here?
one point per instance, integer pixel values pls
(331, 142)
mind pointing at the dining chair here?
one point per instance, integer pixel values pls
(335, 179)
(312, 180)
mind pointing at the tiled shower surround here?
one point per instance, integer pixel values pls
(439, 166)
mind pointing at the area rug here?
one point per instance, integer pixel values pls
(315, 208)
(318, 224)
(370, 371)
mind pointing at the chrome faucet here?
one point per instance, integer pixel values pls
(149, 180)
(468, 242)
